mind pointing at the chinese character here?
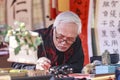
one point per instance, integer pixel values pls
(113, 3)
(106, 43)
(111, 24)
(106, 4)
(115, 51)
(104, 23)
(114, 43)
(78, 12)
(113, 34)
(113, 13)
(104, 33)
(105, 13)
(78, 1)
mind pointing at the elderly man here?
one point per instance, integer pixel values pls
(62, 45)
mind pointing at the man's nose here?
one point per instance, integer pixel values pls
(64, 41)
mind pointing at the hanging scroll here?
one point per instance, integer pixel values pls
(19, 10)
(81, 7)
(2, 11)
(107, 26)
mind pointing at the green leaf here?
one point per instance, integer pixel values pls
(38, 41)
(25, 40)
(17, 49)
(33, 46)
(30, 45)
(17, 39)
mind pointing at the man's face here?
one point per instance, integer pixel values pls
(64, 35)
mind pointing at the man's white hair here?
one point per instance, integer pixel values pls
(66, 17)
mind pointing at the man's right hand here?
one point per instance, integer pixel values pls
(43, 63)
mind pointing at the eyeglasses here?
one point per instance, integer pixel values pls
(61, 38)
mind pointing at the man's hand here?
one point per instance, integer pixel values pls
(43, 63)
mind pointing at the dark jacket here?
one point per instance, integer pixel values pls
(73, 57)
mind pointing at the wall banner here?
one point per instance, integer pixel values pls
(19, 10)
(107, 26)
(2, 12)
(81, 7)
